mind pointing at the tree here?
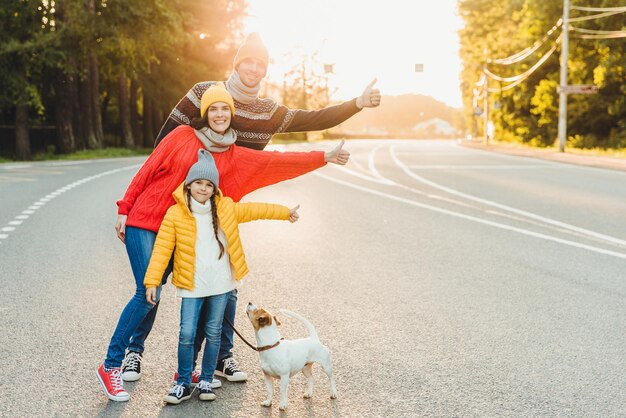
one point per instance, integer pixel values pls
(130, 61)
(528, 112)
(28, 44)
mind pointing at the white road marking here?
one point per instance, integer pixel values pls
(41, 202)
(360, 175)
(475, 219)
(472, 167)
(372, 166)
(14, 167)
(8, 179)
(502, 206)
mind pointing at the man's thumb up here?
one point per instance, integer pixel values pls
(370, 96)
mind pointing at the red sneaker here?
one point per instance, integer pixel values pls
(195, 379)
(112, 384)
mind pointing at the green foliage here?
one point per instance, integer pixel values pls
(25, 49)
(93, 153)
(164, 45)
(529, 112)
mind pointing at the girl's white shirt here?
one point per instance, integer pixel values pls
(212, 276)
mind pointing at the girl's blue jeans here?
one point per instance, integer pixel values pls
(190, 316)
(139, 244)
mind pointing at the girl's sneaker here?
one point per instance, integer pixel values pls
(195, 378)
(112, 384)
(206, 392)
(177, 394)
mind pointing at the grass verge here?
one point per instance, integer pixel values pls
(94, 154)
(592, 152)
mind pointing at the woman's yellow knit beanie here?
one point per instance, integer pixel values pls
(216, 93)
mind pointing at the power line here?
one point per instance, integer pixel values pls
(525, 75)
(599, 9)
(596, 32)
(617, 34)
(599, 34)
(527, 51)
(597, 16)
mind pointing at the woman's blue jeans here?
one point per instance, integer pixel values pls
(139, 244)
(190, 317)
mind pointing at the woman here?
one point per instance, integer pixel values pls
(149, 195)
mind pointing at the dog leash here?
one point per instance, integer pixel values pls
(263, 348)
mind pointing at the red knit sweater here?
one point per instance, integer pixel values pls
(241, 170)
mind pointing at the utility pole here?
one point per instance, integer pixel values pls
(563, 82)
(486, 98)
(486, 109)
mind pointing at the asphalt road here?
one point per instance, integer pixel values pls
(446, 281)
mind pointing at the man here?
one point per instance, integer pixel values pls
(255, 121)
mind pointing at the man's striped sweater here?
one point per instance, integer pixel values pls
(256, 122)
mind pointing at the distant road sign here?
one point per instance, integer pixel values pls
(580, 89)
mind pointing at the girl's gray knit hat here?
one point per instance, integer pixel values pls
(204, 169)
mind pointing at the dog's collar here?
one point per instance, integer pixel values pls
(268, 347)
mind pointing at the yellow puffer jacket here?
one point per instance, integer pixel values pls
(178, 234)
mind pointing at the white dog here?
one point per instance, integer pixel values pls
(284, 358)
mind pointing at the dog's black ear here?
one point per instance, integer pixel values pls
(277, 321)
(262, 320)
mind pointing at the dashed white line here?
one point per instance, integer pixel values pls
(42, 201)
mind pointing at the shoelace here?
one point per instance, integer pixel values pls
(204, 385)
(231, 364)
(177, 390)
(132, 360)
(116, 380)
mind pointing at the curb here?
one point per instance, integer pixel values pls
(610, 163)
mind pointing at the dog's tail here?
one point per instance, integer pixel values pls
(307, 324)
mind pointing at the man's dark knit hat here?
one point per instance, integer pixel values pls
(252, 47)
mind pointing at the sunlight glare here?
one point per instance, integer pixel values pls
(366, 39)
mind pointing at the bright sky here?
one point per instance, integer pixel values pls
(366, 39)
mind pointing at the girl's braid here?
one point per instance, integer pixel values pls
(215, 225)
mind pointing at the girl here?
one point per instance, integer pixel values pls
(149, 195)
(203, 227)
